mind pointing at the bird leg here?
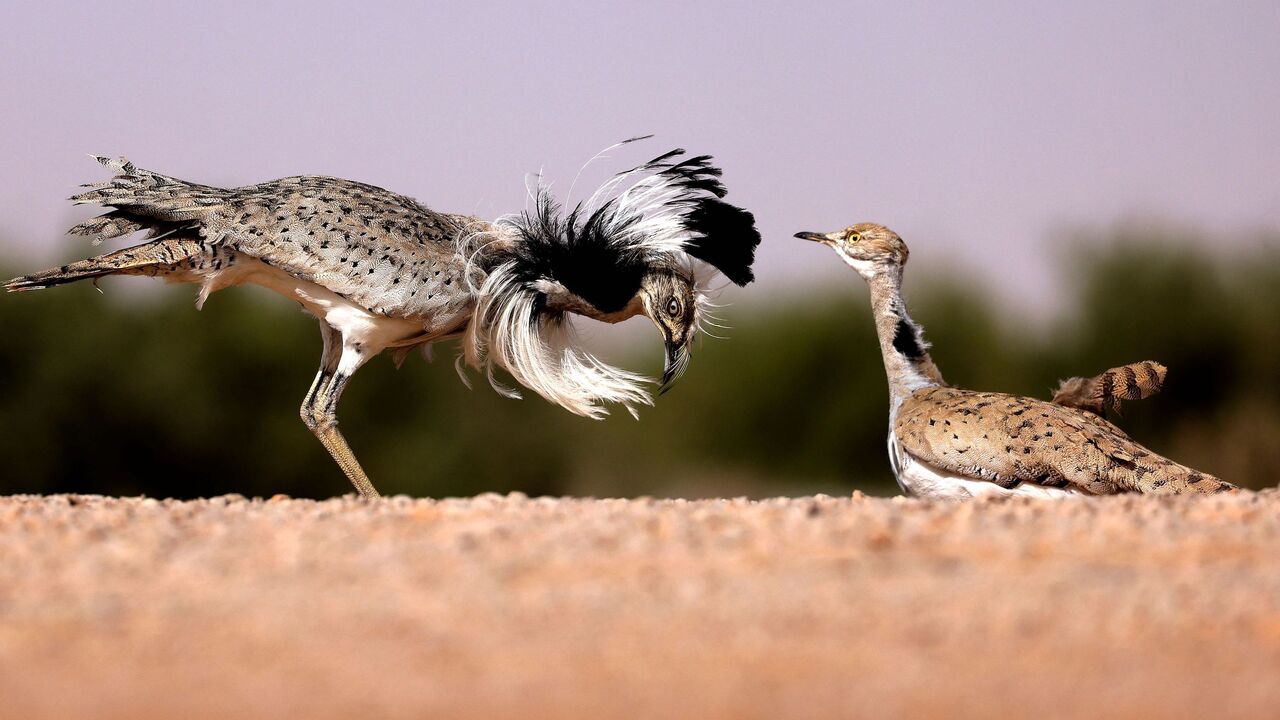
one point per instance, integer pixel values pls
(319, 408)
(324, 423)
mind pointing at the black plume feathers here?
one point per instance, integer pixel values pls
(722, 235)
(601, 254)
(579, 254)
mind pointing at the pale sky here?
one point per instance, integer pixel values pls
(978, 130)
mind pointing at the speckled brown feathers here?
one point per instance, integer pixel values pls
(1135, 381)
(1009, 439)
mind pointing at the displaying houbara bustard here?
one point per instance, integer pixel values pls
(945, 442)
(381, 271)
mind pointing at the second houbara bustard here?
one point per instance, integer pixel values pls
(381, 271)
(945, 442)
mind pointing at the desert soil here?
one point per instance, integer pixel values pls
(517, 607)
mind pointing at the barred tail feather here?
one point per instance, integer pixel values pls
(511, 330)
(1135, 381)
(82, 270)
(146, 258)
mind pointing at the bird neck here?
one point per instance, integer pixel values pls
(631, 309)
(906, 355)
(561, 300)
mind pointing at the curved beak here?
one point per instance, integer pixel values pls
(676, 361)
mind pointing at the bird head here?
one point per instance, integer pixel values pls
(669, 298)
(866, 247)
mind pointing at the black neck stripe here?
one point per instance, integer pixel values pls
(906, 341)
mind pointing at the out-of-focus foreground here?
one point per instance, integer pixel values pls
(127, 395)
(511, 607)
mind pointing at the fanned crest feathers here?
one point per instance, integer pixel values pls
(655, 216)
(601, 248)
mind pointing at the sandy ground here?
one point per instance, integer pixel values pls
(516, 607)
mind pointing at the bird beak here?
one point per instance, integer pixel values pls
(677, 361)
(826, 239)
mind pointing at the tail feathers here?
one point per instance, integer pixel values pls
(111, 225)
(1165, 477)
(83, 270)
(1135, 381)
(147, 194)
(139, 259)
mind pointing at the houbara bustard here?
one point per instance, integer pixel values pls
(945, 442)
(381, 271)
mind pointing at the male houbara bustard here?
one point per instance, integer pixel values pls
(379, 270)
(945, 442)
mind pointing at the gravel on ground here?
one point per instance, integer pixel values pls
(508, 606)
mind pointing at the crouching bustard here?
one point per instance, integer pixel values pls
(945, 442)
(381, 271)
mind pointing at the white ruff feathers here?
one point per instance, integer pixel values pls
(535, 349)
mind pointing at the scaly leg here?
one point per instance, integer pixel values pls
(319, 408)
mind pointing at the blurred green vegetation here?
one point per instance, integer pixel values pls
(125, 395)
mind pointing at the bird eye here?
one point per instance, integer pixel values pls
(673, 307)
(854, 237)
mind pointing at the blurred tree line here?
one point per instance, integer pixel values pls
(128, 395)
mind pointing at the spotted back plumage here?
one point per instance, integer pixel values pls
(1009, 439)
(384, 251)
